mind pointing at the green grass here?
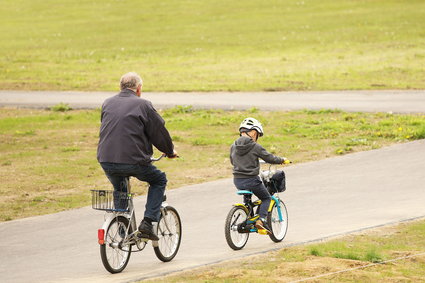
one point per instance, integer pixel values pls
(49, 161)
(210, 45)
(328, 258)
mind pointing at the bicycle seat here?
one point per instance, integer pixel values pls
(243, 192)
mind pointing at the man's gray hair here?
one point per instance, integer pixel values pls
(130, 80)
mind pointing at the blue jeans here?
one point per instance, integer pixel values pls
(256, 186)
(118, 173)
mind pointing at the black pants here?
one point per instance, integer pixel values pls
(256, 186)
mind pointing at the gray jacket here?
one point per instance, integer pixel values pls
(244, 154)
(129, 127)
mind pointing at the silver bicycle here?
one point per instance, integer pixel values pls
(119, 236)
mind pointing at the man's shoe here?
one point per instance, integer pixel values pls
(261, 224)
(146, 229)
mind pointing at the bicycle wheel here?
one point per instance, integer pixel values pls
(169, 232)
(114, 257)
(278, 227)
(234, 239)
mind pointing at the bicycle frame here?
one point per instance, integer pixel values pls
(242, 218)
(250, 206)
(120, 235)
(130, 215)
(275, 200)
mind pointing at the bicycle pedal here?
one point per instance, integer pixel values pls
(262, 231)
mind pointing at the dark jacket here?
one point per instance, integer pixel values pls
(244, 154)
(129, 127)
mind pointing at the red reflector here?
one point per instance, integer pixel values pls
(101, 236)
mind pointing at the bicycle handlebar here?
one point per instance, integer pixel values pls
(286, 161)
(154, 159)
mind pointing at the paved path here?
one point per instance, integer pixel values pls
(367, 101)
(324, 198)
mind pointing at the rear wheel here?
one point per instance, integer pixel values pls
(169, 232)
(279, 226)
(114, 256)
(236, 216)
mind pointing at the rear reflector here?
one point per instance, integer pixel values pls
(101, 236)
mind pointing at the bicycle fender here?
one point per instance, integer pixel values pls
(102, 231)
(243, 206)
(155, 228)
(108, 221)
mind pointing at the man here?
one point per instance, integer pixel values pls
(129, 127)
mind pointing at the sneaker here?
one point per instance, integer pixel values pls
(146, 229)
(261, 224)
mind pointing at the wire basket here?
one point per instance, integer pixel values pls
(110, 200)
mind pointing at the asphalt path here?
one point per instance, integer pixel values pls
(367, 101)
(326, 198)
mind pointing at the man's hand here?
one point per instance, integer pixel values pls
(175, 154)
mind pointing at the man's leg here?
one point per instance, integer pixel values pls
(119, 182)
(157, 181)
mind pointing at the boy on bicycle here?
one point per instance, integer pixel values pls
(244, 156)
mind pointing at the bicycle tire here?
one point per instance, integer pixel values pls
(114, 258)
(279, 228)
(169, 241)
(234, 239)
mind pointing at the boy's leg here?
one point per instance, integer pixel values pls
(261, 192)
(243, 184)
(256, 186)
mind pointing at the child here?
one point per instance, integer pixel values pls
(244, 154)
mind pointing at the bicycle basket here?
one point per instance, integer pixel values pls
(110, 200)
(277, 183)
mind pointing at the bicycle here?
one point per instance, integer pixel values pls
(119, 233)
(240, 220)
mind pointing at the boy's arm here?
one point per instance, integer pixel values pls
(267, 156)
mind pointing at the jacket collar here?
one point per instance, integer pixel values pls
(127, 92)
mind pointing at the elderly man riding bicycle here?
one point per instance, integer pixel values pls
(129, 127)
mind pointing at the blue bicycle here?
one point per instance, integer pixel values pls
(240, 221)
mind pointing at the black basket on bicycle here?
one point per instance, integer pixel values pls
(277, 183)
(110, 200)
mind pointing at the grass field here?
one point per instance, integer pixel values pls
(400, 249)
(48, 158)
(210, 45)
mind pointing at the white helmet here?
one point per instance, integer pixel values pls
(251, 124)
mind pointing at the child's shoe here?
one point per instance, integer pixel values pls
(261, 224)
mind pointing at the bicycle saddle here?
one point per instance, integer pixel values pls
(243, 192)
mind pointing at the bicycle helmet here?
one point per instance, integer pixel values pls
(251, 124)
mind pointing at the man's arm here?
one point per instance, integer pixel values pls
(157, 133)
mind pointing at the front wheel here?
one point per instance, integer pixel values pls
(169, 232)
(114, 256)
(236, 216)
(278, 224)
